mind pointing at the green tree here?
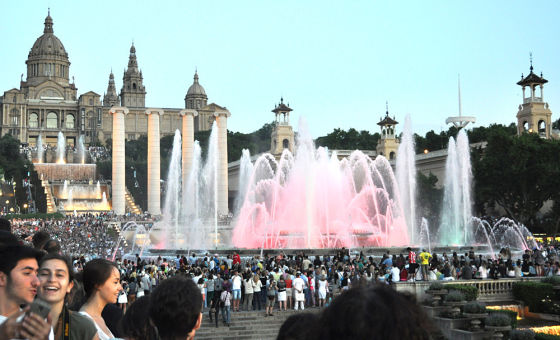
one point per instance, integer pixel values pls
(349, 140)
(518, 174)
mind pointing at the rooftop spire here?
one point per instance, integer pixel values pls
(387, 108)
(195, 75)
(531, 61)
(48, 23)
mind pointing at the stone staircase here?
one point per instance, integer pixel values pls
(51, 206)
(130, 204)
(251, 325)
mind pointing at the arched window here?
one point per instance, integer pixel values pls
(542, 127)
(392, 155)
(33, 120)
(52, 120)
(134, 86)
(70, 121)
(525, 126)
(286, 144)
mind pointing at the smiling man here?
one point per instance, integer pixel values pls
(18, 286)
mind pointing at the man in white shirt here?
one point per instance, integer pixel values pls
(236, 289)
(18, 286)
(395, 273)
(298, 285)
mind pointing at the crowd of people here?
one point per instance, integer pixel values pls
(103, 299)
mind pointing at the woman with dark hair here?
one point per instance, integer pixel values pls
(135, 324)
(55, 277)
(102, 284)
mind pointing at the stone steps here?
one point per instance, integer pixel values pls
(251, 325)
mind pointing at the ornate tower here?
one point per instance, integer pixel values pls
(111, 98)
(534, 114)
(388, 144)
(133, 93)
(283, 135)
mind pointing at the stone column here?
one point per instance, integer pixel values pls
(154, 191)
(187, 146)
(221, 121)
(118, 180)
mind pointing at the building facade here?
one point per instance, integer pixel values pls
(47, 101)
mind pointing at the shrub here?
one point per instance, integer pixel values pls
(471, 292)
(474, 307)
(522, 334)
(454, 296)
(533, 294)
(544, 336)
(511, 314)
(437, 286)
(553, 280)
(497, 319)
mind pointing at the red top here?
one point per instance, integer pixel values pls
(288, 283)
(411, 257)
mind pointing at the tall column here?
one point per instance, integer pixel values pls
(154, 191)
(221, 121)
(118, 177)
(188, 145)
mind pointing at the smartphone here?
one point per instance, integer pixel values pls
(40, 308)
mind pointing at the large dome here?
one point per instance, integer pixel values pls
(48, 45)
(196, 89)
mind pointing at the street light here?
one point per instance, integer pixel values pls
(25, 207)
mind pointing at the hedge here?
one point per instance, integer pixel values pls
(533, 294)
(512, 315)
(471, 292)
(544, 336)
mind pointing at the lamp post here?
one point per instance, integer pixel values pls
(25, 206)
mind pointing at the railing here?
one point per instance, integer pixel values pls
(493, 290)
(532, 100)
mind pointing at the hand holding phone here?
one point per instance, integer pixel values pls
(40, 307)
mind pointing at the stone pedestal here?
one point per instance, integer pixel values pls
(118, 186)
(154, 191)
(187, 146)
(221, 121)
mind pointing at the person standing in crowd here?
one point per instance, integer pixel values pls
(176, 309)
(298, 286)
(257, 287)
(424, 263)
(322, 288)
(18, 287)
(102, 284)
(225, 304)
(249, 285)
(281, 294)
(236, 289)
(135, 323)
(412, 265)
(270, 295)
(56, 280)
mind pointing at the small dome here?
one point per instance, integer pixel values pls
(48, 44)
(196, 88)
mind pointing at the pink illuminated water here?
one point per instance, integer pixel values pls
(313, 200)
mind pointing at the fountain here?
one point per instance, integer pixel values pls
(40, 150)
(60, 148)
(245, 170)
(81, 150)
(455, 228)
(406, 177)
(190, 219)
(313, 200)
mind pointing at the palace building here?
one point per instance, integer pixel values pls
(47, 101)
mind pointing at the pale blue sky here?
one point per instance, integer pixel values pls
(335, 62)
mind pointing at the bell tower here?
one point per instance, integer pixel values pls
(388, 144)
(533, 116)
(283, 135)
(133, 93)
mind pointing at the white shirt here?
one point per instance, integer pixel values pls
(236, 282)
(395, 274)
(298, 284)
(102, 335)
(249, 286)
